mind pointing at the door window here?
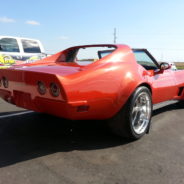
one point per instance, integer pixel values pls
(145, 60)
(30, 46)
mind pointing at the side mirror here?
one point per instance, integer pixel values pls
(164, 66)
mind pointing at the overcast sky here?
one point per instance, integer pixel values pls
(157, 25)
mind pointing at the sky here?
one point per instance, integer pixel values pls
(157, 25)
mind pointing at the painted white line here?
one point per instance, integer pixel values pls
(163, 104)
(15, 114)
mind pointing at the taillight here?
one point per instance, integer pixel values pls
(4, 81)
(41, 88)
(54, 89)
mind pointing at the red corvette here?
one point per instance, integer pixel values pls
(111, 82)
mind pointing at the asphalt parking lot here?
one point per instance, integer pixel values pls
(38, 148)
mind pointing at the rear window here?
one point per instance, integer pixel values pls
(9, 45)
(30, 46)
(88, 55)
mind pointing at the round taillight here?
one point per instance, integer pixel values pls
(41, 88)
(54, 89)
(5, 82)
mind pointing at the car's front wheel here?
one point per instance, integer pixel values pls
(133, 120)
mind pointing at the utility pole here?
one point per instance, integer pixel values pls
(115, 36)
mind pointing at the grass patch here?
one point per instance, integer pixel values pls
(179, 65)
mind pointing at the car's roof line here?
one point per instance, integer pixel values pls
(16, 37)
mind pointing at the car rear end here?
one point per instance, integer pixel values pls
(38, 91)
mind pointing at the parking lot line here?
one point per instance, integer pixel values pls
(15, 114)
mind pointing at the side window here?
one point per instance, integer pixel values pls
(30, 46)
(143, 59)
(9, 45)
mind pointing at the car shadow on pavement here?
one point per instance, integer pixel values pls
(175, 106)
(34, 135)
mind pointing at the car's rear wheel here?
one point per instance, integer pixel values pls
(133, 120)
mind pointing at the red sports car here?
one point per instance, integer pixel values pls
(109, 81)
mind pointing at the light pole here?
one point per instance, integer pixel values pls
(115, 36)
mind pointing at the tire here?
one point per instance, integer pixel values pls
(134, 119)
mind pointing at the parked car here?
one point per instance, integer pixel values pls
(20, 49)
(112, 82)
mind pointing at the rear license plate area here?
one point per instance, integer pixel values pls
(22, 99)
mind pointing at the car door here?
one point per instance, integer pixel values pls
(179, 76)
(163, 81)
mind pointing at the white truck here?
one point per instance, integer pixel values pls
(21, 48)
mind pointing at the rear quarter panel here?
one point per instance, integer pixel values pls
(105, 88)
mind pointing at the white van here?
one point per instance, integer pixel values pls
(20, 48)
